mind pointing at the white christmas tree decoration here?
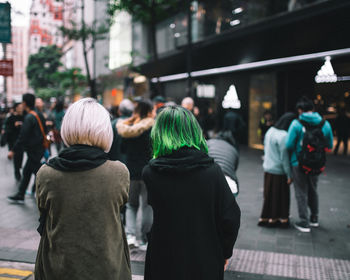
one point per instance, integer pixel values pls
(326, 73)
(231, 99)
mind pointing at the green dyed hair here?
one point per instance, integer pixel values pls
(176, 127)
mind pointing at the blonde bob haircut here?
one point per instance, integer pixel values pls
(87, 122)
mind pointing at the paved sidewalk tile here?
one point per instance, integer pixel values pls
(259, 253)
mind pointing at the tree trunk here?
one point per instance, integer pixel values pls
(90, 81)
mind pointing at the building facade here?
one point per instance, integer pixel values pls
(18, 51)
(46, 17)
(270, 50)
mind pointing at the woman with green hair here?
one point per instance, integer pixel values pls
(196, 217)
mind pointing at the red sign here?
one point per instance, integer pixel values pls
(6, 67)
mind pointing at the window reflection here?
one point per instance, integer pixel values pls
(211, 18)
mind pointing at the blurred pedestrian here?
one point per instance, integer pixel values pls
(57, 116)
(188, 103)
(158, 103)
(223, 149)
(308, 138)
(79, 194)
(277, 176)
(264, 124)
(196, 217)
(342, 129)
(13, 126)
(31, 140)
(136, 145)
(233, 122)
(125, 110)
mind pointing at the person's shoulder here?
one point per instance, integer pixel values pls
(29, 117)
(46, 171)
(116, 166)
(146, 171)
(114, 169)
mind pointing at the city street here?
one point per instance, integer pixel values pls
(260, 253)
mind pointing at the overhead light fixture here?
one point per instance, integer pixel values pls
(177, 35)
(235, 22)
(237, 10)
(172, 25)
(326, 73)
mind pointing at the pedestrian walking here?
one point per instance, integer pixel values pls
(31, 139)
(13, 126)
(136, 145)
(277, 176)
(79, 194)
(196, 217)
(308, 138)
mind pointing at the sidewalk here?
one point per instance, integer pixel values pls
(260, 253)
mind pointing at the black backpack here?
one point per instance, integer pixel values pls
(312, 157)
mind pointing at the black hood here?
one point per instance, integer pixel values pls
(78, 158)
(182, 160)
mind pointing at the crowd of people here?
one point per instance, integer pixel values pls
(154, 160)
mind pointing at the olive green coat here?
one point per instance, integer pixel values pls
(83, 236)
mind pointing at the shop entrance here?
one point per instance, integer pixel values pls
(262, 99)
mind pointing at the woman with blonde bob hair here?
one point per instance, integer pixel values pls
(79, 196)
(196, 217)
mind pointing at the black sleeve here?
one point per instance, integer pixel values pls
(145, 178)
(230, 215)
(24, 134)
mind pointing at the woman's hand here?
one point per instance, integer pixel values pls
(225, 265)
(10, 155)
(289, 181)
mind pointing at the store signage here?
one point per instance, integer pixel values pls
(6, 67)
(231, 99)
(5, 23)
(206, 91)
(326, 73)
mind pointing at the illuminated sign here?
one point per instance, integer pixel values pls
(206, 91)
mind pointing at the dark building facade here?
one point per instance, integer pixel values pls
(270, 50)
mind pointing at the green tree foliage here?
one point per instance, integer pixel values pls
(47, 93)
(71, 81)
(42, 66)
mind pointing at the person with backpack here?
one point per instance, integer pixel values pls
(31, 140)
(308, 139)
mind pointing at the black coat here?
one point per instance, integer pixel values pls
(196, 217)
(11, 130)
(30, 138)
(138, 153)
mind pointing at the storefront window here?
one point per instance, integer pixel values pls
(210, 18)
(262, 107)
